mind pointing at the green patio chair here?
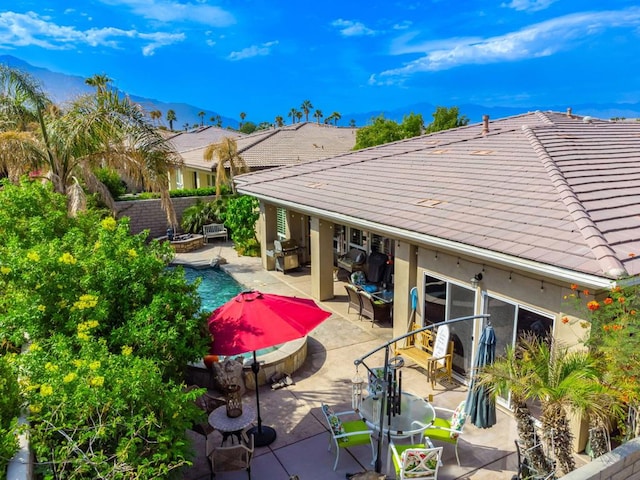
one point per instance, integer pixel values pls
(448, 427)
(345, 434)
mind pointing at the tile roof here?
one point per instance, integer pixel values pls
(201, 137)
(542, 187)
(288, 145)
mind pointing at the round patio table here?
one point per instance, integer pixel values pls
(232, 427)
(416, 415)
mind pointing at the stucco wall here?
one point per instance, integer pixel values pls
(148, 214)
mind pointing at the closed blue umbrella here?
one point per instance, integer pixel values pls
(480, 408)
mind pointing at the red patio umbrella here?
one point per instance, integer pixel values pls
(253, 320)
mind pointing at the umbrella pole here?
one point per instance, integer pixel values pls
(262, 436)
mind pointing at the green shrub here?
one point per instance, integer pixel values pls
(112, 181)
(241, 217)
(9, 412)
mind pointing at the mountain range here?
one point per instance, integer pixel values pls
(62, 87)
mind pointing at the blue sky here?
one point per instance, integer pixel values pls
(266, 57)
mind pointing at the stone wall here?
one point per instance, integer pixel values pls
(149, 215)
(623, 463)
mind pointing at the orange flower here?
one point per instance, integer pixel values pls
(621, 300)
(586, 292)
(616, 289)
(565, 319)
(574, 286)
(608, 301)
(605, 328)
(632, 255)
(632, 312)
(593, 305)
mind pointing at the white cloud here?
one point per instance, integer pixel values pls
(349, 28)
(403, 25)
(170, 11)
(529, 5)
(253, 51)
(18, 30)
(538, 40)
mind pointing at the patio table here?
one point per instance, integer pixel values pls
(232, 427)
(416, 415)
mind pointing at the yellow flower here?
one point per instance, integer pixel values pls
(33, 256)
(34, 347)
(67, 258)
(78, 363)
(94, 365)
(83, 336)
(126, 350)
(96, 381)
(5, 270)
(50, 367)
(85, 301)
(97, 245)
(70, 377)
(132, 253)
(35, 408)
(46, 390)
(42, 308)
(109, 223)
(92, 323)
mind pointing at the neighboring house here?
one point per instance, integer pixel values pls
(196, 140)
(527, 204)
(288, 145)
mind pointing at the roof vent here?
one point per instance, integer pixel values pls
(587, 119)
(485, 124)
(569, 114)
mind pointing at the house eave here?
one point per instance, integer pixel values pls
(483, 255)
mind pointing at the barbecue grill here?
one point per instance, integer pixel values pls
(286, 255)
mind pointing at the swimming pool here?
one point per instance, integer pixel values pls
(217, 287)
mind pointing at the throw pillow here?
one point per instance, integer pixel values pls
(359, 257)
(457, 420)
(334, 422)
(414, 463)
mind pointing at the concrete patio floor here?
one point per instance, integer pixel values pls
(302, 436)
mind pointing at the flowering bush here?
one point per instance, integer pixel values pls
(9, 411)
(615, 327)
(111, 330)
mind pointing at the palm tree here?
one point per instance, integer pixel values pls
(201, 115)
(99, 81)
(299, 115)
(171, 117)
(279, 121)
(352, 123)
(155, 116)
(318, 115)
(218, 121)
(336, 116)
(225, 151)
(98, 130)
(561, 381)
(306, 108)
(242, 117)
(293, 113)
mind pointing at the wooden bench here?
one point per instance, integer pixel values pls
(214, 230)
(432, 352)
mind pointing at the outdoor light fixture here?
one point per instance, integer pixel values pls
(475, 281)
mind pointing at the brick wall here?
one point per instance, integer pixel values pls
(623, 463)
(148, 214)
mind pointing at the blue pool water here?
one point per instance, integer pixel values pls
(216, 288)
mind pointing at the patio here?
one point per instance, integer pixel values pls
(301, 445)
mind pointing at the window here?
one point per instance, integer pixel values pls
(356, 238)
(179, 180)
(339, 239)
(196, 183)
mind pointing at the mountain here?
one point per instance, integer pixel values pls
(62, 87)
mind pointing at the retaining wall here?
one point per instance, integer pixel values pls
(623, 463)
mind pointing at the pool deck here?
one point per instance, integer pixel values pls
(301, 445)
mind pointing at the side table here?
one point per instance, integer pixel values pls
(232, 427)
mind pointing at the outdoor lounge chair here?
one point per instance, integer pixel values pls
(353, 260)
(449, 427)
(345, 434)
